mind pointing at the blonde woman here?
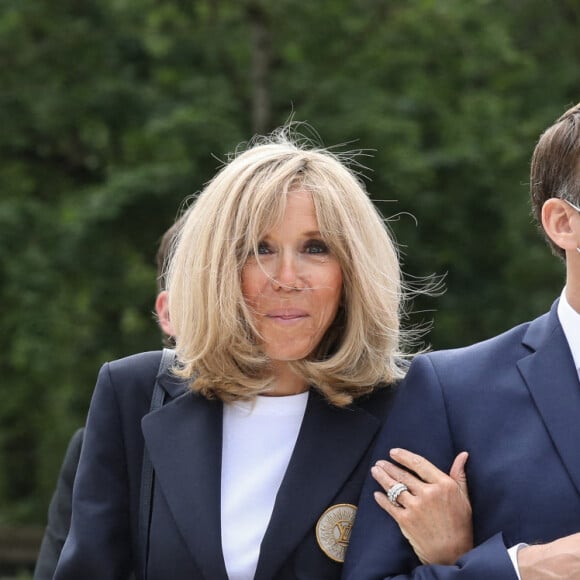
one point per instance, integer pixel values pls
(285, 296)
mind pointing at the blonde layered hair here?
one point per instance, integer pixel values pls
(218, 346)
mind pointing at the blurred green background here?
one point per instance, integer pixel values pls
(113, 111)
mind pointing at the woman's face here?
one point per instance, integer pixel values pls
(294, 285)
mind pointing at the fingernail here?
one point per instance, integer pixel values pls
(395, 451)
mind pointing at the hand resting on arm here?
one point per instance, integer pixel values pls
(434, 513)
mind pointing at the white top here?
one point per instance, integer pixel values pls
(570, 321)
(258, 441)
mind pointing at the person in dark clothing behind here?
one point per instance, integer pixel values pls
(59, 511)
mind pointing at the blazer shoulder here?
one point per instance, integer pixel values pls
(490, 362)
(146, 362)
(507, 346)
(379, 402)
(135, 368)
(133, 375)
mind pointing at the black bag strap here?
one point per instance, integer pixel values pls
(147, 474)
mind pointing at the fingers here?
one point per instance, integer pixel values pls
(394, 474)
(385, 475)
(385, 503)
(418, 464)
(423, 474)
(457, 472)
(427, 471)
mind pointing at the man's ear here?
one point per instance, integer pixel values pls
(557, 221)
(162, 309)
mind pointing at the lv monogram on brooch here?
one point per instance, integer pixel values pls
(333, 530)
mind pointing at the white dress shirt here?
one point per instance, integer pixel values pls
(570, 321)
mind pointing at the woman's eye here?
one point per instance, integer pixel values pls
(316, 247)
(263, 249)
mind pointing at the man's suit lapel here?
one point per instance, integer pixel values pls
(330, 444)
(552, 380)
(184, 440)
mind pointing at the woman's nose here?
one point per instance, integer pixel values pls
(287, 274)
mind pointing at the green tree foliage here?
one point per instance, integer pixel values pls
(112, 112)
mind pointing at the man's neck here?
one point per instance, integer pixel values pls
(573, 281)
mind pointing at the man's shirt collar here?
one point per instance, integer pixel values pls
(570, 321)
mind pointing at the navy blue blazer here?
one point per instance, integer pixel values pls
(183, 439)
(513, 402)
(59, 512)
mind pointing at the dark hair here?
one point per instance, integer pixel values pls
(555, 168)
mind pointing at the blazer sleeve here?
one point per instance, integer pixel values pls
(59, 512)
(98, 545)
(419, 422)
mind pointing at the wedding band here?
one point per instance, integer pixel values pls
(394, 492)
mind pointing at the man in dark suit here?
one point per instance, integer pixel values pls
(512, 402)
(60, 509)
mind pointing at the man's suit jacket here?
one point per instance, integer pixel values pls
(512, 402)
(183, 440)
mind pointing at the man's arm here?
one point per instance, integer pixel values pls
(418, 422)
(59, 512)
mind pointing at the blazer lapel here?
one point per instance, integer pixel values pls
(331, 442)
(184, 440)
(552, 380)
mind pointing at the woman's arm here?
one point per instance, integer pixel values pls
(98, 545)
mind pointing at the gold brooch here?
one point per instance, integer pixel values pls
(333, 530)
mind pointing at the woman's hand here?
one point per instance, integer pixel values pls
(434, 513)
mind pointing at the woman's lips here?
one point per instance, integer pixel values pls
(287, 315)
